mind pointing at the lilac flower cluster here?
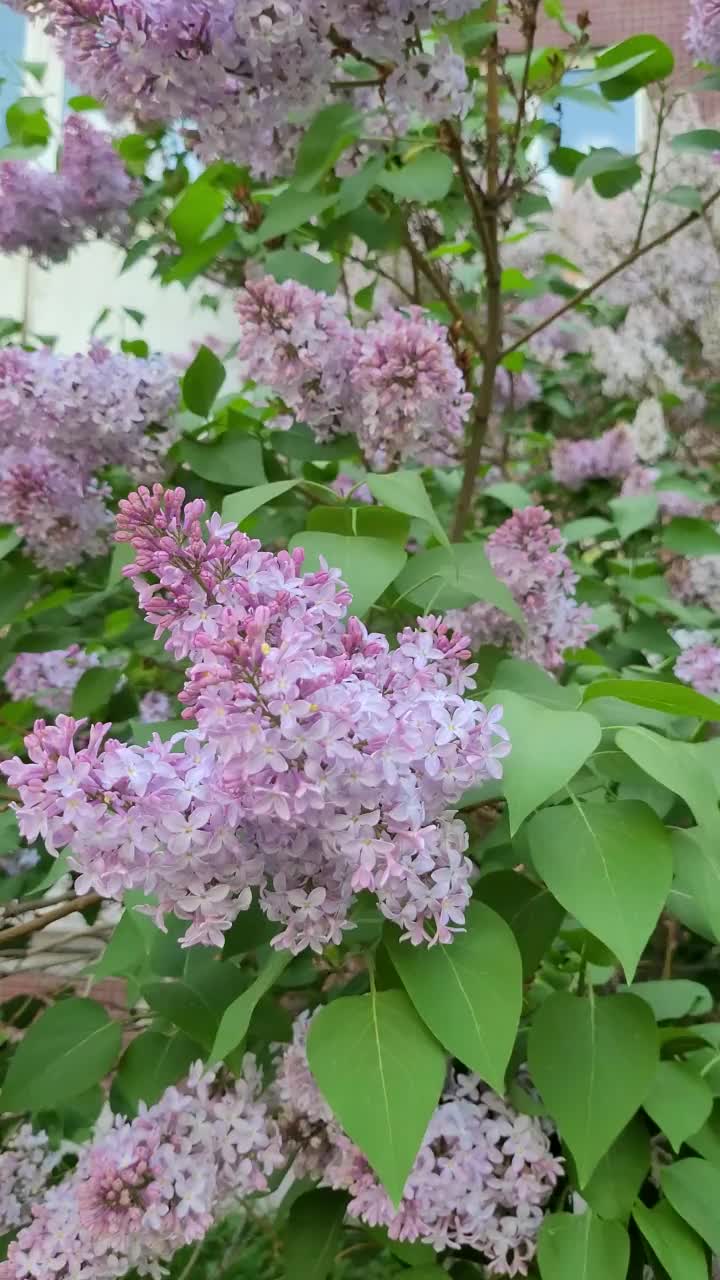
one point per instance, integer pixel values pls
(49, 213)
(699, 665)
(48, 678)
(155, 707)
(703, 32)
(696, 580)
(527, 554)
(144, 1188)
(394, 383)
(243, 72)
(26, 1163)
(63, 420)
(324, 762)
(481, 1180)
(611, 455)
(671, 502)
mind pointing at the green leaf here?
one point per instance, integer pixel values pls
(9, 540)
(617, 1179)
(370, 522)
(16, 588)
(530, 777)
(199, 206)
(632, 514)
(586, 528)
(672, 1241)
(510, 494)
(695, 899)
(697, 140)
(679, 767)
(152, 1062)
(533, 682)
(674, 699)
(657, 63)
(27, 123)
(579, 1050)
(673, 998)
(299, 442)
(236, 1018)
(404, 491)
(290, 210)
(606, 160)
(382, 1073)
(69, 1048)
(235, 459)
(693, 1189)
(610, 865)
(469, 993)
(582, 1247)
(293, 264)
(679, 1102)
(426, 178)
(530, 909)
(355, 189)
(683, 196)
(691, 536)
(312, 1234)
(454, 577)
(202, 382)
(123, 554)
(83, 102)
(368, 565)
(93, 690)
(238, 506)
(196, 1002)
(127, 951)
(330, 132)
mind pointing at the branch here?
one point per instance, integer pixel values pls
(529, 31)
(435, 278)
(41, 922)
(494, 310)
(614, 271)
(653, 174)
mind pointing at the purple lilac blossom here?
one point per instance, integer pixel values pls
(610, 456)
(394, 383)
(482, 1178)
(144, 1188)
(47, 213)
(671, 502)
(64, 419)
(324, 762)
(247, 75)
(514, 390)
(699, 661)
(48, 678)
(527, 554)
(696, 580)
(703, 32)
(26, 1163)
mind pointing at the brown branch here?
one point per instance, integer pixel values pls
(493, 303)
(614, 271)
(530, 21)
(48, 917)
(653, 174)
(435, 279)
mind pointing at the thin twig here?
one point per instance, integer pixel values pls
(48, 917)
(529, 30)
(614, 271)
(662, 116)
(435, 279)
(185, 1273)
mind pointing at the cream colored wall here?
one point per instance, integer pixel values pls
(65, 300)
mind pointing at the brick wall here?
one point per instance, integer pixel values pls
(614, 20)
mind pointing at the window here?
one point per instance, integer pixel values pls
(12, 48)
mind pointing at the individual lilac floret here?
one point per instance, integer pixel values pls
(26, 1163)
(482, 1178)
(48, 678)
(671, 502)
(527, 554)
(63, 420)
(324, 762)
(49, 213)
(144, 1188)
(703, 32)
(155, 707)
(409, 395)
(611, 456)
(699, 662)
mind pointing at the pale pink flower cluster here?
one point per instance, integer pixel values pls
(527, 554)
(63, 421)
(696, 580)
(144, 1188)
(671, 502)
(482, 1178)
(155, 707)
(609, 456)
(26, 1163)
(247, 76)
(324, 762)
(394, 383)
(48, 678)
(49, 213)
(703, 32)
(699, 661)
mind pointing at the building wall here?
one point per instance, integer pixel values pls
(614, 20)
